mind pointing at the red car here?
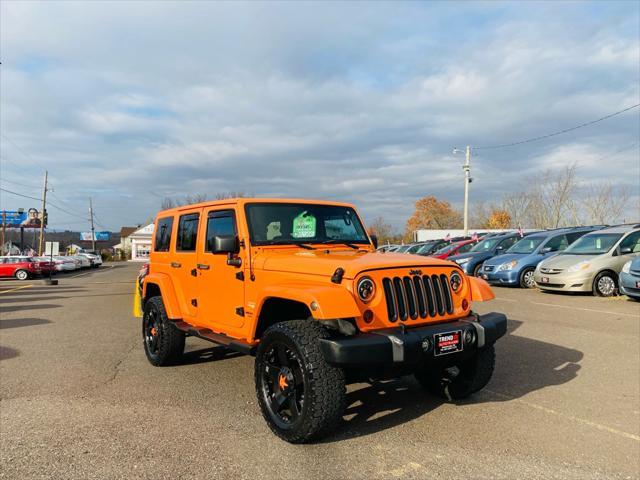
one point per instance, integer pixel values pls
(454, 249)
(19, 267)
(46, 265)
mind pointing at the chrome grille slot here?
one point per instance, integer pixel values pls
(412, 297)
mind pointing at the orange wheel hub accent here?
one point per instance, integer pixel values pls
(282, 382)
(154, 331)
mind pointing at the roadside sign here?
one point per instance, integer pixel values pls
(52, 248)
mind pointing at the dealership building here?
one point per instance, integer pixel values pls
(136, 242)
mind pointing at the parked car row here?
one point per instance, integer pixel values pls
(25, 267)
(600, 259)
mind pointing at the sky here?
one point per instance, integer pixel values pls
(130, 102)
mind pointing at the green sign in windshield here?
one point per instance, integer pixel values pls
(304, 226)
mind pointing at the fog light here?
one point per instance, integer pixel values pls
(469, 337)
(367, 316)
(426, 344)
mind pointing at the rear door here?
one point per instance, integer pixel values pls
(220, 286)
(4, 268)
(184, 262)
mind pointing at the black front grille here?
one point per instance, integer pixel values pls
(417, 296)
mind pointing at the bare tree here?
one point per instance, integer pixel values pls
(231, 194)
(603, 203)
(517, 205)
(384, 231)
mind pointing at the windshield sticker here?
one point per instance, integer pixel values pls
(304, 226)
(598, 243)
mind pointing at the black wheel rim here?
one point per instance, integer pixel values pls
(282, 383)
(151, 331)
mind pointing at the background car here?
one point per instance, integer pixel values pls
(65, 264)
(592, 263)
(81, 261)
(94, 258)
(47, 265)
(19, 267)
(630, 279)
(516, 267)
(471, 262)
(454, 248)
(428, 248)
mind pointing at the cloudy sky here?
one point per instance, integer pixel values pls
(128, 102)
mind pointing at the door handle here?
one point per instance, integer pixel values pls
(176, 265)
(203, 266)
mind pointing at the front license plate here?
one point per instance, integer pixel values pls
(545, 279)
(448, 342)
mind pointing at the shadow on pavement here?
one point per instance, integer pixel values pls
(523, 365)
(6, 353)
(22, 322)
(205, 355)
(37, 306)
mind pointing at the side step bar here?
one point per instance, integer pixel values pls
(219, 338)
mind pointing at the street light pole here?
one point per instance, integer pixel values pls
(44, 208)
(467, 179)
(93, 230)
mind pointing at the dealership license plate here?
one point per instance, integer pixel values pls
(545, 279)
(448, 342)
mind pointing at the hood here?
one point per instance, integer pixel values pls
(474, 255)
(325, 261)
(507, 257)
(567, 260)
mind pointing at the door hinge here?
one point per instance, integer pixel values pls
(240, 311)
(240, 276)
(194, 302)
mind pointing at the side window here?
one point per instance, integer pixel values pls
(632, 241)
(220, 223)
(557, 243)
(163, 234)
(508, 242)
(187, 232)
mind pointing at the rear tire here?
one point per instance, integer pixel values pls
(526, 278)
(22, 275)
(300, 395)
(460, 381)
(163, 342)
(605, 285)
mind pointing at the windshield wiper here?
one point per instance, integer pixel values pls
(296, 244)
(340, 242)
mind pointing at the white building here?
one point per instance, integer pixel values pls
(425, 235)
(141, 243)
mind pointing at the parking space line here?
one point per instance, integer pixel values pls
(588, 423)
(16, 288)
(102, 269)
(587, 309)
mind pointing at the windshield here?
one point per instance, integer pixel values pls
(526, 245)
(426, 247)
(446, 249)
(296, 223)
(485, 245)
(594, 244)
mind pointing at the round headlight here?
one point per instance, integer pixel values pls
(456, 281)
(366, 289)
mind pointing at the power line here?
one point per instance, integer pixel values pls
(40, 199)
(21, 150)
(558, 132)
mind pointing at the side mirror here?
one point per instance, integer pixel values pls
(225, 244)
(626, 250)
(374, 240)
(545, 250)
(499, 248)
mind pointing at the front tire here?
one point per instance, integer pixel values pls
(163, 342)
(300, 395)
(477, 269)
(605, 284)
(460, 381)
(527, 278)
(22, 275)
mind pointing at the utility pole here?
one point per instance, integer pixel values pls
(4, 226)
(44, 207)
(467, 180)
(93, 230)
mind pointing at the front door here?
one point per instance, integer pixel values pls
(220, 286)
(184, 263)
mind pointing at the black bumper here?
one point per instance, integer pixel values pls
(396, 347)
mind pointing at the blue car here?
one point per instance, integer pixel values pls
(471, 262)
(630, 279)
(516, 267)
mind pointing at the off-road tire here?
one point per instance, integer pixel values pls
(170, 340)
(524, 277)
(477, 269)
(324, 385)
(599, 287)
(474, 374)
(22, 275)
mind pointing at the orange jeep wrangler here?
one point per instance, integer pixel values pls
(299, 285)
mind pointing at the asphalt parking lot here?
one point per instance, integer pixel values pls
(80, 400)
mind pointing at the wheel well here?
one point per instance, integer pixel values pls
(276, 310)
(613, 274)
(152, 290)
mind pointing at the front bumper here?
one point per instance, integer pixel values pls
(504, 277)
(629, 285)
(564, 282)
(398, 346)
